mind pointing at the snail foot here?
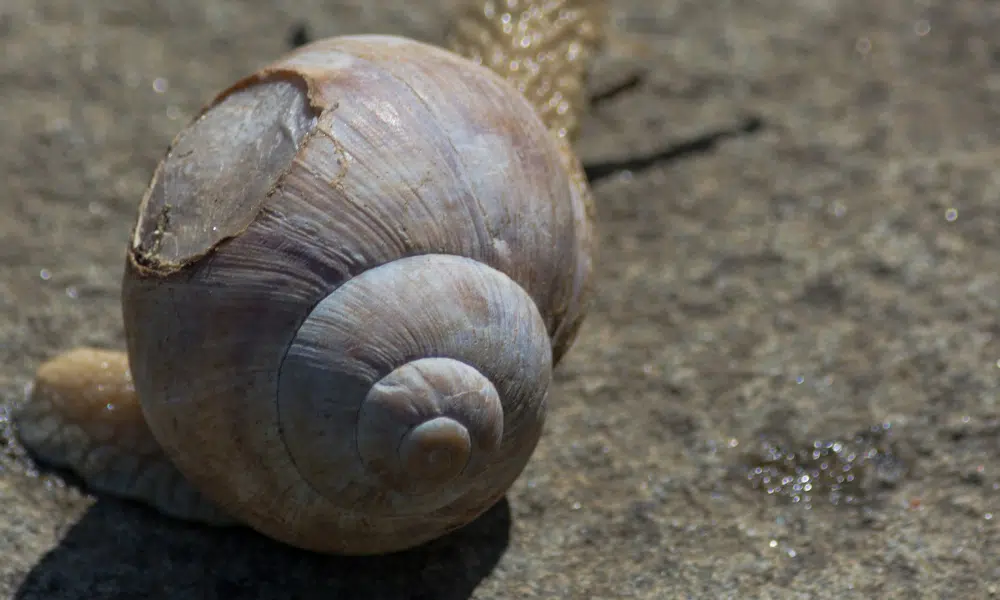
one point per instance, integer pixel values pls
(83, 414)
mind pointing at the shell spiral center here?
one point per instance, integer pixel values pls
(419, 424)
(412, 384)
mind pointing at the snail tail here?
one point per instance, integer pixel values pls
(543, 47)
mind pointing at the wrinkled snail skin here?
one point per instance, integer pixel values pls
(543, 47)
(84, 416)
(348, 284)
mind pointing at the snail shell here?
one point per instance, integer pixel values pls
(348, 284)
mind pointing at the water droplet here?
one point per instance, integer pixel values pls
(160, 85)
(45, 274)
(922, 27)
(951, 214)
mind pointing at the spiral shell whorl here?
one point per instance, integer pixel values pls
(419, 425)
(411, 381)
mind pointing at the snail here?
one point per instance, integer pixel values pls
(349, 281)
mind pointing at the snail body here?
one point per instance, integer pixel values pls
(348, 284)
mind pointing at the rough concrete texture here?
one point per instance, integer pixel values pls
(798, 205)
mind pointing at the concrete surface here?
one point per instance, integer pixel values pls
(798, 205)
